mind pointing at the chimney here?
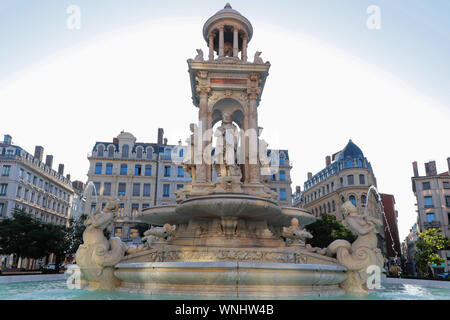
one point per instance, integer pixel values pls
(430, 168)
(160, 135)
(448, 164)
(416, 170)
(327, 161)
(298, 189)
(39, 152)
(49, 160)
(68, 176)
(61, 169)
(165, 141)
(309, 175)
(7, 139)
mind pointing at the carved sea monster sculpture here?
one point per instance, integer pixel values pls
(295, 236)
(257, 59)
(158, 234)
(97, 255)
(362, 253)
(199, 56)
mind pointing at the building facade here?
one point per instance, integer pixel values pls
(29, 184)
(390, 225)
(347, 176)
(432, 193)
(141, 175)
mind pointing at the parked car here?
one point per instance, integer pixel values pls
(443, 275)
(49, 268)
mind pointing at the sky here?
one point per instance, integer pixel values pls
(331, 79)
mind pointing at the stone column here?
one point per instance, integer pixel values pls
(221, 41)
(244, 47)
(235, 42)
(209, 142)
(254, 173)
(211, 46)
(201, 168)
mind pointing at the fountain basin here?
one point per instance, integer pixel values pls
(231, 279)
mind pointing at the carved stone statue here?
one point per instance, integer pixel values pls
(258, 59)
(158, 235)
(226, 147)
(199, 56)
(362, 253)
(97, 256)
(295, 236)
(228, 49)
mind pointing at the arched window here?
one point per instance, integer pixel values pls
(111, 151)
(329, 208)
(125, 150)
(342, 199)
(333, 205)
(100, 150)
(363, 200)
(352, 200)
(149, 153)
(139, 153)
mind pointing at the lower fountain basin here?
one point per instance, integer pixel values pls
(231, 279)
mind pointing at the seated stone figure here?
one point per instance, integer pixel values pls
(97, 255)
(158, 234)
(295, 236)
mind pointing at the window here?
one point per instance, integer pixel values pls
(3, 188)
(273, 177)
(146, 192)
(134, 209)
(446, 184)
(166, 190)
(123, 169)
(35, 180)
(96, 189)
(139, 153)
(282, 175)
(145, 206)
(333, 205)
(342, 181)
(149, 153)
(428, 201)
(107, 189)
(352, 199)
(98, 168)
(111, 152)
(362, 179)
(350, 179)
(359, 163)
(447, 201)
(148, 169)
(137, 170)
(2, 208)
(181, 153)
(329, 207)
(100, 150)
(349, 163)
(180, 171)
(430, 217)
(426, 186)
(19, 192)
(122, 188)
(167, 154)
(363, 200)
(136, 189)
(121, 209)
(6, 170)
(109, 169)
(332, 186)
(167, 171)
(282, 194)
(125, 149)
(133, 233)
(180, 186)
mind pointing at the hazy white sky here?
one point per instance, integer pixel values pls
(316, 98)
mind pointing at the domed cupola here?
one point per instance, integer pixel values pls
(351, 151)
(227, 33)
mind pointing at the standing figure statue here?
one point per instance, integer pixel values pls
(362, 253)
(226, 146)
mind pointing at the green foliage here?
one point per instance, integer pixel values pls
(429, 244)
(327, 229)
(28, 237)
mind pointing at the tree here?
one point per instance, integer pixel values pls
(429, 244)
(327, 229)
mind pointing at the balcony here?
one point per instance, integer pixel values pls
(433, 224)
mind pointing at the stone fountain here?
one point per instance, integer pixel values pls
(227, 235)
